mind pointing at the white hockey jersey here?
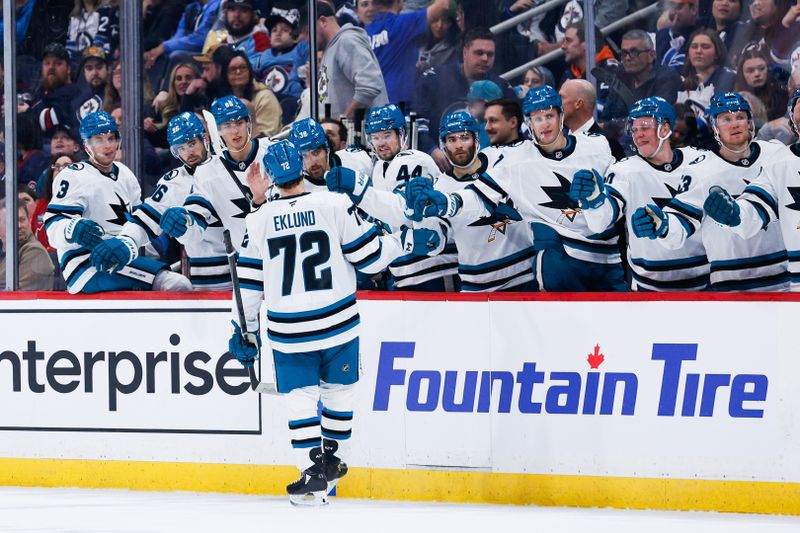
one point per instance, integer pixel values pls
(521, 151)
(389, 207)
(208, 264)
(538, 190)
(736, 264)
(493, 254)
(633, 183)
(303, 251)
(221, 195)
(83, 191)
(774, 197)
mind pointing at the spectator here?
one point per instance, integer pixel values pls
(574, 47)
(780, 129)
(241, 21)
(64, 141)
(394, 37)
(57, 164)
(335, 132)
(757, 108)
(641, 78)
(365, 12)
(441, 46)
(481, 92)
(772, 22)
(279, 65)
(350, 76)
(534, 77)
(444, 89)
(725, 15)
(160, 20)
(35, 266)
(188, 39)
(205, 89)
(93, 23)
(52, 102)
(705, 74)
(156, 127)
(237, 79)
(113, 99)
(33, 160)
(94, 69)
(671, 42)
(38, 24)
(578, 101)
(525, 38)
(26, 197)
(685, 133)
(753, 75)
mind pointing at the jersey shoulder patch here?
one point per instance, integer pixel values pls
(170, 175)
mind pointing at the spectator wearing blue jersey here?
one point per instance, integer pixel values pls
(188, 39)
(394, 38)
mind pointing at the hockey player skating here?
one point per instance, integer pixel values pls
(652, 179)
(771, 199)
(221, 195)
(301, 252)
(737, 264)
(494, 252)
(569, 255)
(94, 199)
(207, 262)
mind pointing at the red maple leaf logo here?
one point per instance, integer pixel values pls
(596, 359)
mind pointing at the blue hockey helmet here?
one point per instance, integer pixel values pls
(542, 97)
(307, 135)
(229, 108)
(653, 106)
(388, 117)
(456, 123)
(97, 123)
(283, 162)
(728, 102)
(183, 128)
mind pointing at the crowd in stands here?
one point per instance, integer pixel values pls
(429, 57)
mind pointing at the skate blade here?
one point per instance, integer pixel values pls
(312, 499)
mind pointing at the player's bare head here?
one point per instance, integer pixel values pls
(732, 121)
(458, 136)
(503, 119)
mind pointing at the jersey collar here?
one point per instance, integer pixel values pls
(677, 160)
(240, 166)
(560, 155)
(795, 148)
(472, 177)
(517, 142)
(292, 197)
(114, 174)
(747, 161)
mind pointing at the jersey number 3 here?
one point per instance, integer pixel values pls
(308, 241)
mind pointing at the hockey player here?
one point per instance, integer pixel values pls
(207, 260)
(652, 179)
(569, 256)
(381, 197)
(221, 195)
(771, 198)
(93, 199)
(318, 157)
(302, 252)
(736, 264)
(494, 252)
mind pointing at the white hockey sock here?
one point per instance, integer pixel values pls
(166, 280)
(337, 414)
(304, 428)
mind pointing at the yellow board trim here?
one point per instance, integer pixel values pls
(417, 485)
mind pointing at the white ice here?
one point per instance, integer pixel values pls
(112, 511)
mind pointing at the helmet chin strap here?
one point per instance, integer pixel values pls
(728, 148)
(554, 141)
(661, 141)
(456, 165)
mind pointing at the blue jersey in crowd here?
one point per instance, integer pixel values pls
(393, 40)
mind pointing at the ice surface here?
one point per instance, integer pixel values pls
(111, 511)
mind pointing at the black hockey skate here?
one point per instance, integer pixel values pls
(311, 488)
(335, 468)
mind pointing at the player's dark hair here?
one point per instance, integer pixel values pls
(339, 126)
(509, 108)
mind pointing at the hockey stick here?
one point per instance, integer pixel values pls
(213, 133)
(260, 387)
(413, 130)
